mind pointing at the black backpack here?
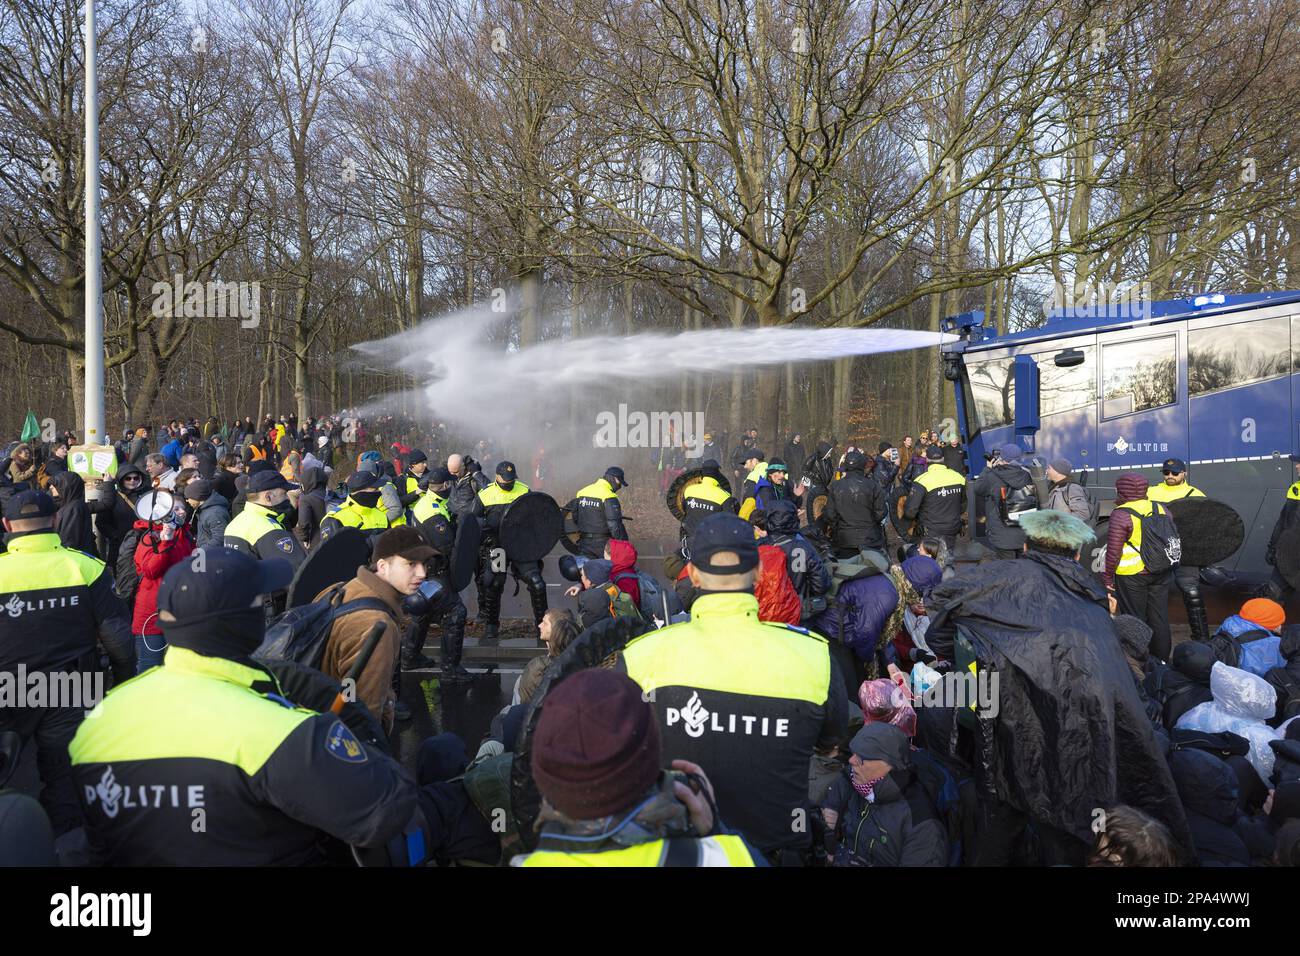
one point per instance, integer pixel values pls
(1162, 548)
(300, 633)
(126, 579)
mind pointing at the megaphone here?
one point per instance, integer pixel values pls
(429, 598)
(571, 566)
(154, 505)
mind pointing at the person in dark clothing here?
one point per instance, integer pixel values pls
(1070, 732)
(1004, 488)
(807, 573)
(1208, 789)
(855, 509)
(454, 828)
(1181, 684)
(794, 456)
(878, 814)
(211, 513)
(955, 458)
(73, 522)
(229, 468)
(936, 501)
(118, 518)
(886, 471)
(311, 506)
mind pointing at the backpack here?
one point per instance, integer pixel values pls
(1012, 501)
(850, 569)
(126, 579)
(621, 603)
(1162, 548)
(487, 782)
(954, 801)
(778, 601)
(652, 596)
(300, 634)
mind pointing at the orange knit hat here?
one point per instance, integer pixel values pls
(1267, 614)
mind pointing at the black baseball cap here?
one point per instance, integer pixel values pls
(30, 504)
(855, 461)
(724, 532)
(1176, 465)
(267, 481)
(616, 472)
(754, 453)
(259, 466)
(506, 470)
(436, 476)
(360, 480)
(224, 580)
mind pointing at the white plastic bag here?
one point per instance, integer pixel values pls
(1242, 702)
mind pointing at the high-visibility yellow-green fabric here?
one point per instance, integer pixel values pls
(1130, 559)
(39, 562)
(723, 850)
(757, 472)
(252, 523)
(191, 706)
(494, 494)
(1164, 492)
(725, 647)
(600, 488)
(353, 514)
(939, 476)
(429, 505)
(707, 489)
(1293, 493)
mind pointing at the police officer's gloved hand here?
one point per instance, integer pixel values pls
(308, 687)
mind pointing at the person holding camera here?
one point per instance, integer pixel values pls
(607, 801)
(161, 545)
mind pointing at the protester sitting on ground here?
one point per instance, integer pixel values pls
(1251, 639)
(1130, 837)
(557, 631)
(878, 814)
(599, 599)
(607, 800)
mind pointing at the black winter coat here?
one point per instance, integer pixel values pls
(1070, 732)
(1208, 789)
(990, 487)
(72, 521)
(855, 508)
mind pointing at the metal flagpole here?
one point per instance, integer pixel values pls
(94, 398)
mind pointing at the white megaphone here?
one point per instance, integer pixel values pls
(154, 505)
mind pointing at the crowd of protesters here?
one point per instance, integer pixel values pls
(834, 675)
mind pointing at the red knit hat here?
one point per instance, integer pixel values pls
(596, 749)
(1130, 486)
(1267, 614)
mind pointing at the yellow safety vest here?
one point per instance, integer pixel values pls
(599, 489)
(1163, 492)
(355, 515)
(251, 524)
(723, 850)
(494, 494)
(1130, 559)
(706, 489)
(428, 506)
(939, 476)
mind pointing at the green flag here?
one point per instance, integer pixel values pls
(31, 429)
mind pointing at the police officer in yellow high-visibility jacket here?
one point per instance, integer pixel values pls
(937, 500)
(55, 603)
(206, 760)
(433, 517)
(256, 531)
(749, 700)
(1286, 519)
(408, 483)
(704, 498)
(596, 512)
(362, 509)
(608, 801)
(1187, 577)
(488, 508)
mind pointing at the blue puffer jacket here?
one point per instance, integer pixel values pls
(1257, 656)
(865, 605)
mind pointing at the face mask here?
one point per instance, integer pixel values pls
(285, 511)
(367, 499)
(506, 485)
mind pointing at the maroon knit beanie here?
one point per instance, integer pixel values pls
(1130, 486)
(596, 749)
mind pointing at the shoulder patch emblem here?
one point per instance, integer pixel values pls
(285, 544)
(343, 744)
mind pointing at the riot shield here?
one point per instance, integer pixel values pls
(530, 527)
(677, 490)
(1210, 531)
(464, 553)
(329, 563)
